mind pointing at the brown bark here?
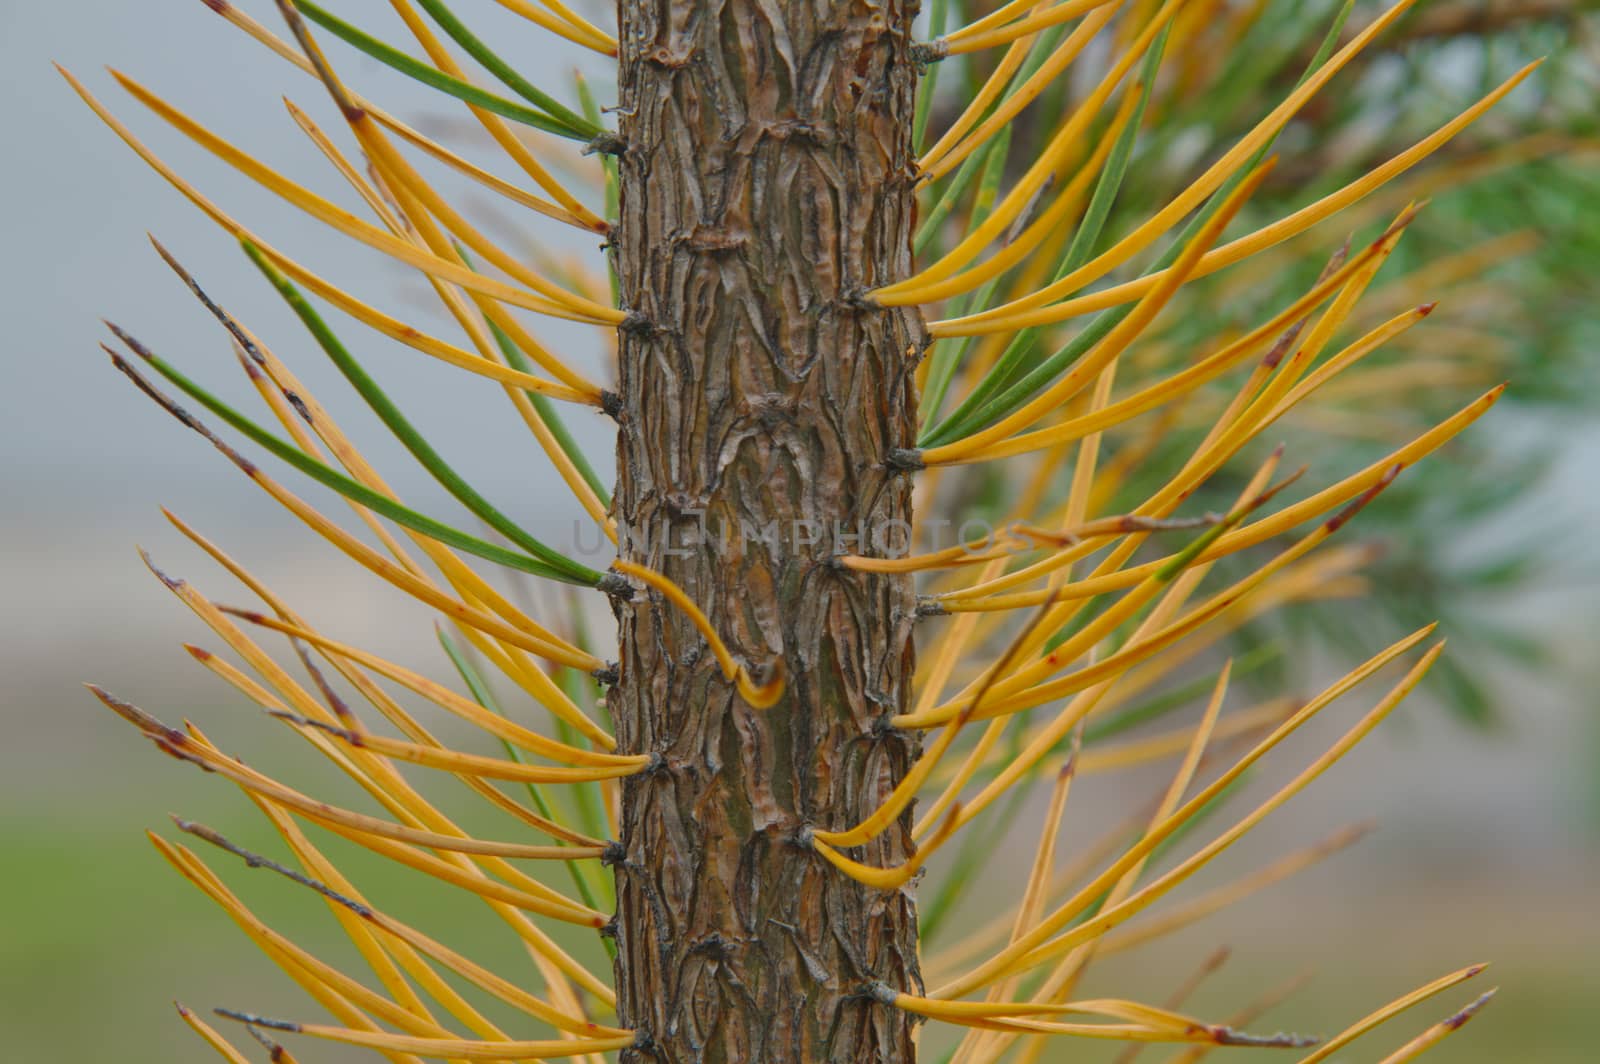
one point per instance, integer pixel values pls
(765, 185)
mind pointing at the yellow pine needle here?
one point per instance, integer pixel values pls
(1002, 962)
(583, 217)
(276, 945)
(1237, 416)
(1022, 644)
(944, 655)
(1438, 1032)
(485, 887)
(472, 323)
(553, 962)
(991, 736)
(390, 709)
(981, 101)
(410, 185)
(1112, 345)
(1230, 162)
(585, 220)
(374, 199)
(1051, 734)
(452, 867)
(963, 1011)
(1200, 373)
(343, 221)
(1033, 899)
(571, 389)
(362, 824)
(1040, 743)
(1216, 900)
(267, 668)
(551, 299)
(1025, 246)
(1284, 372)
(1083, 479)
(211, 1037)
(1243, 422)
(757, 696)
(564, 12)
(1323, 575)
(1064, 978)
(1033, 894)
(300, 966)
(898, 876)
(185, 748)
(963, 775)
(580, 217)
(1112, 526)
(1006, 691)
(527, 674)
(1394, 1008)
(1202, 735)
(241, 644)
(1136, 1012)
(1251, 535)
(1348, 357)
(383, 323)
(1137, 752)
(997, 930)
(957, 144)
(972, 40)
(905, 791)
(998, 544)
(304, 437)
(309, 412)
(380, 779)
(958, 1011)
(1341, 493)
(1000, 16)
(376, 950)
(1028, 503)
(1208, 967)
(1215, 175)
(1061, 145)
(424, 591)
(1111, 916)
(566, 24)
(1120, 1032)
(496, 126)
(456, 1048)
(487, 351)
(1462, 267)
(469, 764)
(386, 791)
(1249, 1014)
(549, 904)
(1191, 1031)
(441, 696)
(1031, 310)
(473, 973)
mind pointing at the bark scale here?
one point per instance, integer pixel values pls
(766, 183)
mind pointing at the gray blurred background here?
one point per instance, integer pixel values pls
(1488, 846)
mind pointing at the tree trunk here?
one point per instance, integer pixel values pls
(766, 178)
